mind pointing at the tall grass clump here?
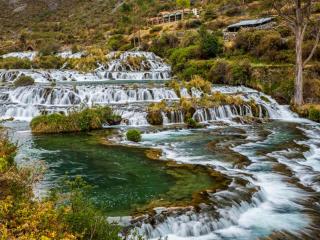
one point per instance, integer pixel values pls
(85, 120)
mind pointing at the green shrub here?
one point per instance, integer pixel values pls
(241, 73)
(134, 135)
(162, 45)
(115, 42)
(193, 23)
(220, 72)
(209, 43)
(199, 83)
(50, 62)
(191, 123)
(85, 120)
(15, 63)
(210, 13)
(262, 43)
(180, 56)
(314, 114)
(49, 48)
(7, 152)
(155, 29)
(23, 81)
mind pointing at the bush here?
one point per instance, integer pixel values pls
(199, 83)
(191, 123)
(154, 113)
(210, 13)
(220, 72)
(50, 62)
(115, 42)
(23, 81)
(241, 73)
(134, 135)
(162, 45)
(311, 111)
(210, 45)
(193, 23)
(15, 63)
(180, 56)
(261, 43)
(7, 152)
(85, 120)
(49, 48)
(155, 29)
(314, 114)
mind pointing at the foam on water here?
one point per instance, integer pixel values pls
(275, 207)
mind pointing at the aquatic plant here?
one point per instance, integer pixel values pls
(23, 81)
(311, 111)
(85, 120)
(133, 135)
(154, 116)
(191, 123)
(200, 84)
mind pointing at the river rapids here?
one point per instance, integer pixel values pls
(273, 165)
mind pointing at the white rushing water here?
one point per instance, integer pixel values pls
(121, 66)
(277, 203)
(24, 103)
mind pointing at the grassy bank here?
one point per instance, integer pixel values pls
(67, 214)
(85, 120)
(310, 111)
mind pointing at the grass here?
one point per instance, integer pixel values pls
(310, 111)
(23, 81)
(134, 135)
(85, 120)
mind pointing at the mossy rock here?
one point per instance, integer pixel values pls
(23, 81)
(134, 135)
(155, 117)
(314, 114)
(191, 123)
(85, 120)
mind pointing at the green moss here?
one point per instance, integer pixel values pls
(23, 81)
(191, 123)
(154, 116)
(85, 120)
(314, 114)
(15, 63)
(200, 84)
(134, 135)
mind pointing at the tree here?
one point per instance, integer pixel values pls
(298, 16)
(209, 44)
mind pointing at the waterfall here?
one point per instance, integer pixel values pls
(94, 94)
(132, 117)
(204, 115)
(173, 117)
(150, 67)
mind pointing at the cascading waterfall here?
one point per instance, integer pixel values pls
(150, 67)
(65, 96)
(26, 102)
(266, 200)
